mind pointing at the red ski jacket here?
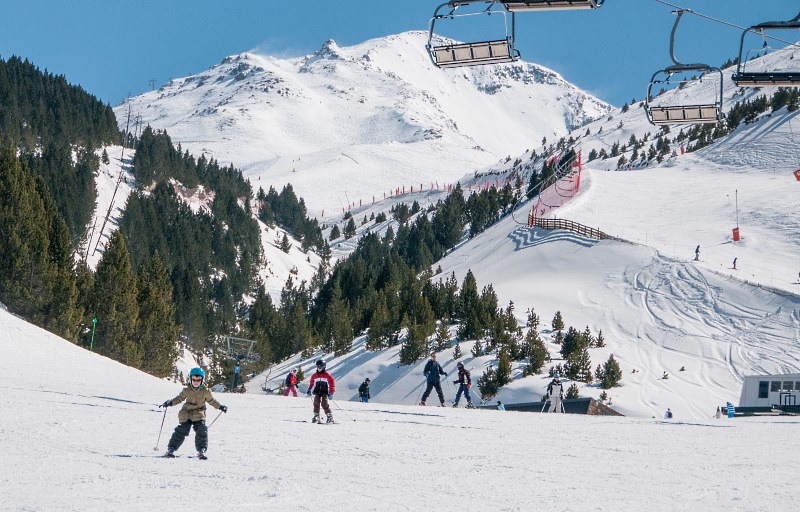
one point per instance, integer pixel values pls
(321, 383)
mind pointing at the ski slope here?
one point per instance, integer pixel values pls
(78, 433)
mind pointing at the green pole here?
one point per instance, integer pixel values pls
(94, 324)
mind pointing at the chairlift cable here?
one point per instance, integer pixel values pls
(723, 22)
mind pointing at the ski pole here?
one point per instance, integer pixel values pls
(215, 419)
(544, 404)
(155, 449)
(343, 411)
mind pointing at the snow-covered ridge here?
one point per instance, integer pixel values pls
(346, 123)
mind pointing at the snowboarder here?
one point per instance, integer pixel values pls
(192, 414)
(291, 383)
(323, 387)
(668, 414)
(697, 253)
(730, 409)
(500, 406)
(464, 383)
(734, 263)
(556, 392)
(363, 391)
(432, 371)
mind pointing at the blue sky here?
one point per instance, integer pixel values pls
(114, 48)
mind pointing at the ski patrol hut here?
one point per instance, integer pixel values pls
(770, 390)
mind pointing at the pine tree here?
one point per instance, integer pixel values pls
(600, 342)
(115, 305)
(414, 346)
(487, 383)
(457, 352)
(285, 244)
(536, 352)
(156, 330)
(104, 157)
(612, 373)
(572, 342)
(558, 322)
(379, 326)
(442, 337)
(350, 229)
(335, 233)
(573, 392)
(503, 369)
(477, 349)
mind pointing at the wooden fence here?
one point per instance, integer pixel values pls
(569, 225)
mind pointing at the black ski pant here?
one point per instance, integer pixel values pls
(182, 430)
(432, 385)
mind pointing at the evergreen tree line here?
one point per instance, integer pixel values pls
(289, 211)
(40, 281)
(47, 120)
(38, 109)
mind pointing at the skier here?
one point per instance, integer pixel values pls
(718, 414)
(363, 391)
(734, 263)
(323, 387)
(432, 371)
(665, 376)
(464, 384)
(291, 383)
(500, 406)
(731, 410)
(668, 414)
(697, 253)
(192, 414)
(556, 392)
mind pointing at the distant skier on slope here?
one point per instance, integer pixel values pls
(322, 386)
(291, 383)
(192, 414)
(734, 263)
(555, 390)
(464, 383)
(697, 253)
(432, 371)
(500, 406)
(363, 391)
(668, 414)
(730, 409)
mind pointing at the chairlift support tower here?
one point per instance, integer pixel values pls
(238, 350)
(682, 114)
(745, 78)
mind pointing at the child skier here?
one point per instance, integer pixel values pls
(323, 387)
(192, 414)
(291, 383)
(464, 383)
(556, 391)
(363, 390)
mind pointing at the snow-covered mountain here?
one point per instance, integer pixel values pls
(348, 123)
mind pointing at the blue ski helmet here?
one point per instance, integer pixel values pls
(197, 371)
(555, 375)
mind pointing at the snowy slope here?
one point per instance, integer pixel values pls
(344, 124)
(86, 428)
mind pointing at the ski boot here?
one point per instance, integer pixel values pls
(422, 403)
(443, 405)
(202, 455)
(470, 405)
(315, 419)
(455, 404)
(170, 454)
(329, 419)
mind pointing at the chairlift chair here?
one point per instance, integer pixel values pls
(477, 53)
(709, 112)
(551, 5)
(774, 78)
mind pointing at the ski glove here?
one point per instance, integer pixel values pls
(455, 382)
(308, 393)
(330, 396)
(223, 408)
(166, 404)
